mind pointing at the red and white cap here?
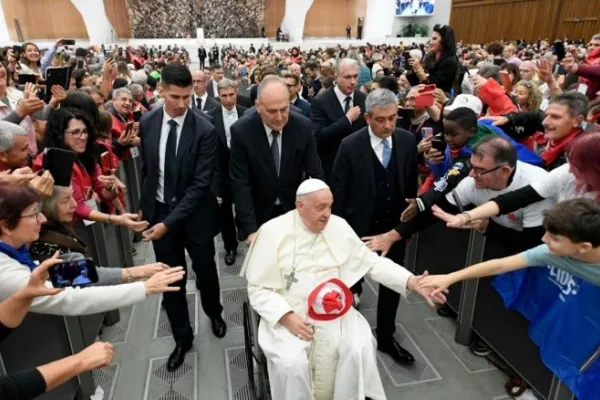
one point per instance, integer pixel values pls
(329, 300)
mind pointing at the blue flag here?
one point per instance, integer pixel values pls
(564, 322)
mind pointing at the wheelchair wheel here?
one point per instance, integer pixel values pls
(255, 359)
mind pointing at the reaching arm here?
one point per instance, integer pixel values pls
(487, 268)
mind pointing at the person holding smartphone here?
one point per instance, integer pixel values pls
(30, 383)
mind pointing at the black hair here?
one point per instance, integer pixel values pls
(176, 74)
(448, 40)
(464, 117)
(54, 136)
(79, 75)
(215, 66)
(577, 219)
(387, 82)
(83, 101)
(119, 83)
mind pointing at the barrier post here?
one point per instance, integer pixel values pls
(559, 391)
(466, 307)
(411, 253)
(75, 327)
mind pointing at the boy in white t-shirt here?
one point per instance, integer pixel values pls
(571, 243)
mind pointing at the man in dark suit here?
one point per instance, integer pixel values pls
(224, 117)
(337, 112)
(374, 172)
(178, 148)
(272, 152)
(201, 56)
(200, 99)
(216, 71)
(294, 87)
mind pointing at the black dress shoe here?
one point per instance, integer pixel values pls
(230, 257)
(397, 352)
(178, 355)
(446, 312)
(219, 327)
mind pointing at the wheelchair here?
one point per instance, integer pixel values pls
(258, 374)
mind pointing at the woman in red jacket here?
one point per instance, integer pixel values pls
(70, 129)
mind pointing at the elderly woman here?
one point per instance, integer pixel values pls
(57, 234)
(20, 223)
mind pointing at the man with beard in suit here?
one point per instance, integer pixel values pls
(224, 117)
(272, 152)
(374, 172)
(337, 112)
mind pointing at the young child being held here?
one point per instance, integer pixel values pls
(571, 243)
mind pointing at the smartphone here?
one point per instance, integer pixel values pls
(439, 144)
(106, 163)
(137, 115)
(426, 132)
(68, 42)
(427, 88)
(58, 76)
(77, 273)
(128, 129)
(406, 58)
(17, 50)
(60, 164)
(407, 113)
(559, 50)
(26, 78)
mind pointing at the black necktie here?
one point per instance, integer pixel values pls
(199, 103)
(171, 165)
(347, 106)
(275, 150)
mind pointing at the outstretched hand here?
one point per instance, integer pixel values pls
(430, 295)
(452, 221)
(436, 284)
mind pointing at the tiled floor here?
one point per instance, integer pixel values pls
(215, 369)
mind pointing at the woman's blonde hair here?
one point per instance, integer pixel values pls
(535, 95)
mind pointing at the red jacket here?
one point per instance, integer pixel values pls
(494, 95)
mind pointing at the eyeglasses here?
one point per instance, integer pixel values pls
(77, 133)
(38, 216)
(479, 172)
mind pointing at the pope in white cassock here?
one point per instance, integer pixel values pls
(291, 256)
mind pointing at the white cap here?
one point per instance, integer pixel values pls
(310, 186)
(468, 101)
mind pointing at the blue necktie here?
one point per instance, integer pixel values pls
(387, 153)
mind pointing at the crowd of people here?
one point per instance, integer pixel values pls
(264, 146)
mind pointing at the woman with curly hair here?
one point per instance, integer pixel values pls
(70, 129)
(528, 94)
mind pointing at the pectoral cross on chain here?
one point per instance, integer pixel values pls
(290, 280)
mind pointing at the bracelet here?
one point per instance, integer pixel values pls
(108, 221)
(129, 277)
(468, 217)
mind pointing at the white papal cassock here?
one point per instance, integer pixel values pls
(340, 363)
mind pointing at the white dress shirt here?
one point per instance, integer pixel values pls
(377, 145)
(270, 139)
(162, 149)
(215, 90)
(203, 98)
(229, 117)
(342, 98)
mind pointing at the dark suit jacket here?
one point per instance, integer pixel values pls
(303, 105)
(210, 89)
(331, 125)
(196, 207)
(353, 178)
(254, 180)
(221, 181)
(211, 103)
(244, 101)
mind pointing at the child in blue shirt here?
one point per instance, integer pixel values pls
(571, 243)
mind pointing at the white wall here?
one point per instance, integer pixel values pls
(3, 26)
(441, 16)
(96, 22)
